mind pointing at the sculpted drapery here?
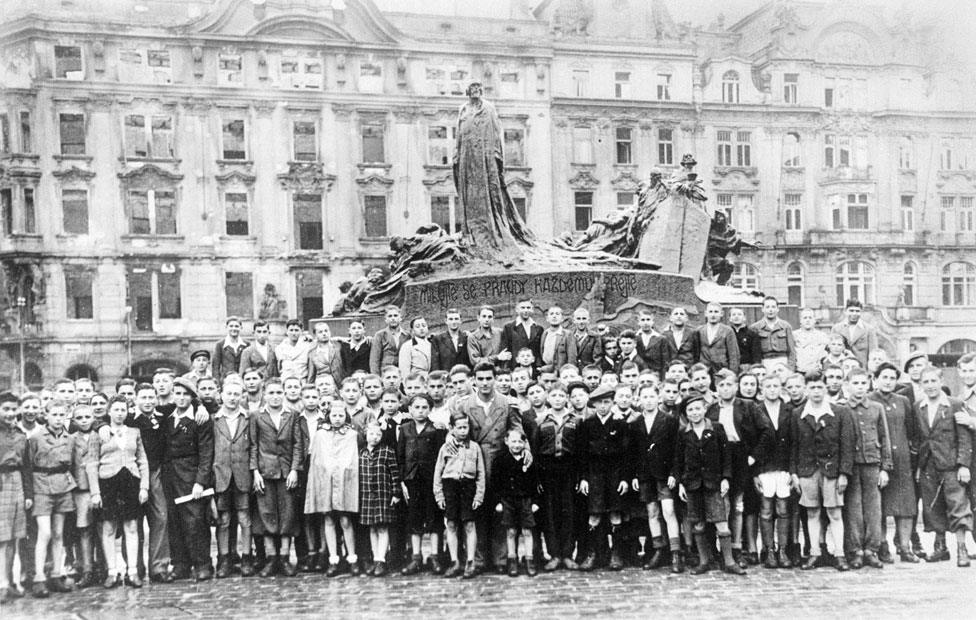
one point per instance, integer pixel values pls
(490, 222)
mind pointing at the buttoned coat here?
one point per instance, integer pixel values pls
(274, 452)
(827, 445)
(722, 352)
(943, 445)
(232, 455)
(444, 355)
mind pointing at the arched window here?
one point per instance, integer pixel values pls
(794, 284)
(82, 371)
(959, 284)
(730, 87)
(745, 276)
(791, 150)
(960, 346)
(909, 284)
(855, 280)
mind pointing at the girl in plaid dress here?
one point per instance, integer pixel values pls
(379, 491)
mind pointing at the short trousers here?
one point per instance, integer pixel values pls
(775, 484)
(707, 506)
(233, 499)
(818, 490)
(652, 490)
(46, 505)
(603, 481)
(458, 499)
(120, 497)
(423, 513)
(517, 513)
(83, 508)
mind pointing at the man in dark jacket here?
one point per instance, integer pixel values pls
(355, 352)
(187, 470)
(821, 463)
(750, 351)
(449, 347)
(588, 343)
(522, 333)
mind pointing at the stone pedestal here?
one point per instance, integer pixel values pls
(615, 294)
(677, 237)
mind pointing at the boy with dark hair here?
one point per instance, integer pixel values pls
(821, 464)
(604, 447)
(703, 467)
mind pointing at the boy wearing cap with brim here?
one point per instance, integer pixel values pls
(604, 447)
(199, 366)
(187, 469)
(703, 467)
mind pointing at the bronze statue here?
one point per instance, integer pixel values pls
(490, 222)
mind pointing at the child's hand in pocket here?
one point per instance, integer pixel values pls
(475, 505)
(441, 504)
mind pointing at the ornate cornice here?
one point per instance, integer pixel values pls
(306, 176)
(583, 180)
(235, 177)
(74, 173)
(149, 174)
(374, 180)
(625, 180)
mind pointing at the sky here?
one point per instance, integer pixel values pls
(956, 17)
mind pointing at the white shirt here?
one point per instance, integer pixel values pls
(262, 349)
(727, 420)
(773, 409)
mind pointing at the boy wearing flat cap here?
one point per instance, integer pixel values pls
(199, 366)
(603, 441)
(187, 469)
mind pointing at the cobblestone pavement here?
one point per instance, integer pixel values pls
(921, 591)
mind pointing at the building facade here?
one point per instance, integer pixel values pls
(165, 165)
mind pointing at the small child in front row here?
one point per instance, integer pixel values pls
(459, 487)
(333, 484)
(50, 462)
(379, 492)
(703, 467)
(516, 485)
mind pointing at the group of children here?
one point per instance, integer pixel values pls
(572, 468)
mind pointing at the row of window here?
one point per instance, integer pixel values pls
(292, 69)
(155, 212)
(155, 293)
(152, 136)
(856, 280)
(847, 211)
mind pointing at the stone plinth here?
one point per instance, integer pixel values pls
(615, 294)
(677, 237)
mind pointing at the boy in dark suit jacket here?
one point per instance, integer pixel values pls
(821, 462)
(703, 467)
(276, 456)
(232, 479)
(652, 439)
(774, 474)
(944, 450)
(449, 347)
(187, 469)
(604, 448)
(522, 333)
(417, 446)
